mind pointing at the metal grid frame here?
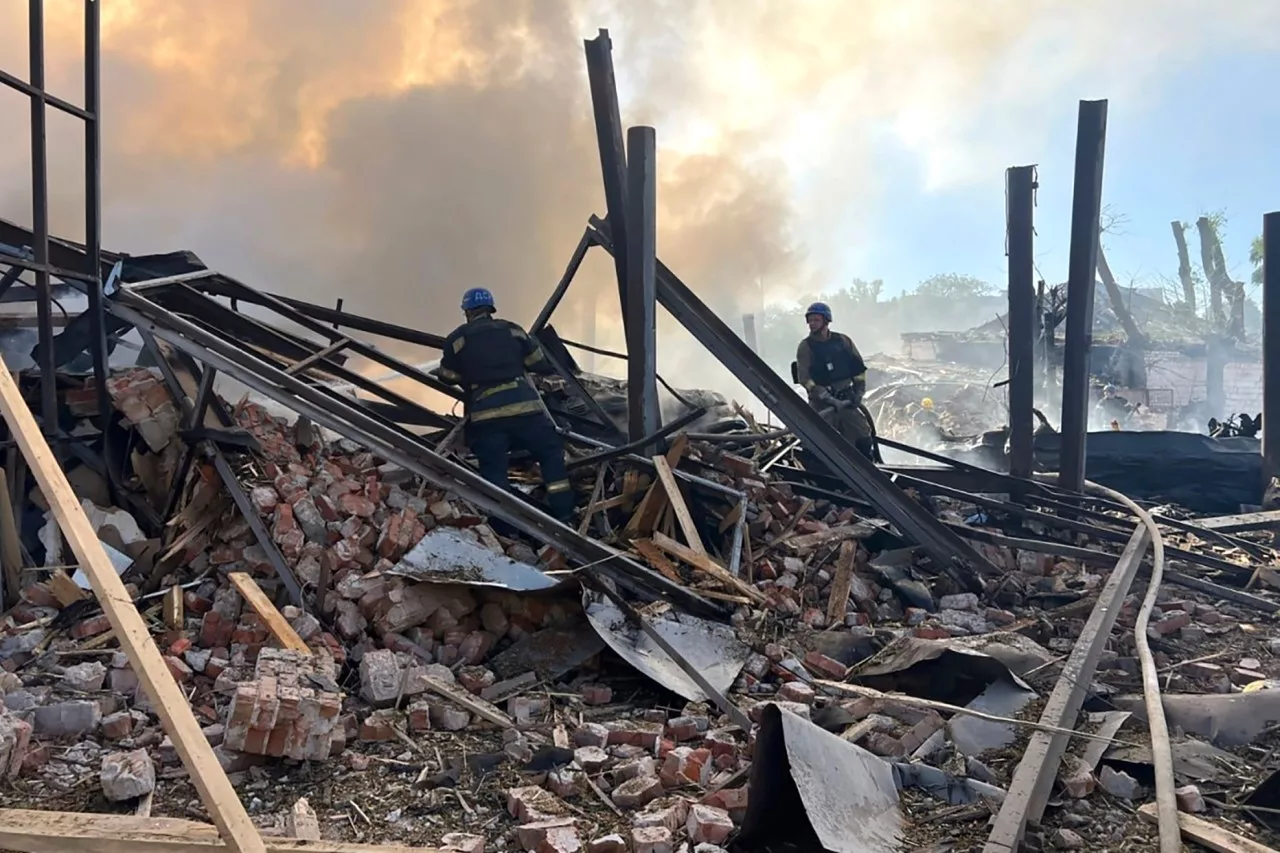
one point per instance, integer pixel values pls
(36, 255)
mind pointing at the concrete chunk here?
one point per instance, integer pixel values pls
(127, 775)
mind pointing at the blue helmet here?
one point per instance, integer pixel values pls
(477, 297)
(822, 309)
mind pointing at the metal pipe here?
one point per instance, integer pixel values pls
(643, 441)
(643, 415)
(1270, 346)
(93, 220)
(739, 533)
(40, 221)
(1020, 191)
(1086, 207)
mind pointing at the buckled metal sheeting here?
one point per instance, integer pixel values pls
(349, 420)
(818, 436)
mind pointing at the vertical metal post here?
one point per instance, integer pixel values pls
(613, 157)
(749, 332)
(1020, 187)
(1086, 207)
(93, 222)
(643, 415)
(1271, 345)
(40, 224)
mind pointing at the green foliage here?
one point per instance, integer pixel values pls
(1255, 258)
(875, 323)
(953, 286)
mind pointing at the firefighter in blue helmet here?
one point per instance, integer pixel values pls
(489, 358)
(832, 371)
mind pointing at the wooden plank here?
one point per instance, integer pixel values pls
(1239, 523)
(651, 507)
(709, 566)
(216, 793)
(1207, 834)
(676, 500)
(675, 452)
(10, 550)
(275, 622)
(175, 611)
(657, 559)
(732, 516)
(830, 536)
(841, 583)
(318, 355)
(72, 832)
(65, 589)
(474, 704)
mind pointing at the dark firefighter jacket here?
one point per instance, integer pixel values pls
(834, 363)
(488, 357)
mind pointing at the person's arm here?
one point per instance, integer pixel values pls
(448, 370)
(804, 373)
(534, 359)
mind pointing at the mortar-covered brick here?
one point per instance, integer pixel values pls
(282, 712)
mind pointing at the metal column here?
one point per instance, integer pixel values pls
(93, 223)
(643, 415)
(40, 225)
(1020, 187)
(33, 88)
(613, 157)
(1086, 206)
(1270, 345)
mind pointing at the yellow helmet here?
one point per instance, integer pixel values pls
(927, 404)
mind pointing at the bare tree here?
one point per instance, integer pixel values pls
(1136, 340)
(1221, 285)
(1184, 267)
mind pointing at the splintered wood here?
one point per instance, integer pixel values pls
(272, 618)
(216, 793)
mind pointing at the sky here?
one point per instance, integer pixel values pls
(1199, 141)
(394, 153)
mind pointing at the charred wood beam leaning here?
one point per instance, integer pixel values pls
(952, 554)
(349, 419)
(613, 155)
(1086, 207)
(1019, 226)
(562, 286)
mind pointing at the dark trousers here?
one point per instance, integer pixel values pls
(492, 443)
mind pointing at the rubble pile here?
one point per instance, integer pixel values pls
(467, 677)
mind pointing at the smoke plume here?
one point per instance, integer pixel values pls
(396, 152)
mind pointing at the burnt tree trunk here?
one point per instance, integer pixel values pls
(1233, 291)
(1137, 343)
(1208, 238)
(1184, 268)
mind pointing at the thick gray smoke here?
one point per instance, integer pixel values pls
(396, 152)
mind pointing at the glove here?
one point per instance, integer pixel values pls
(821, 397)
